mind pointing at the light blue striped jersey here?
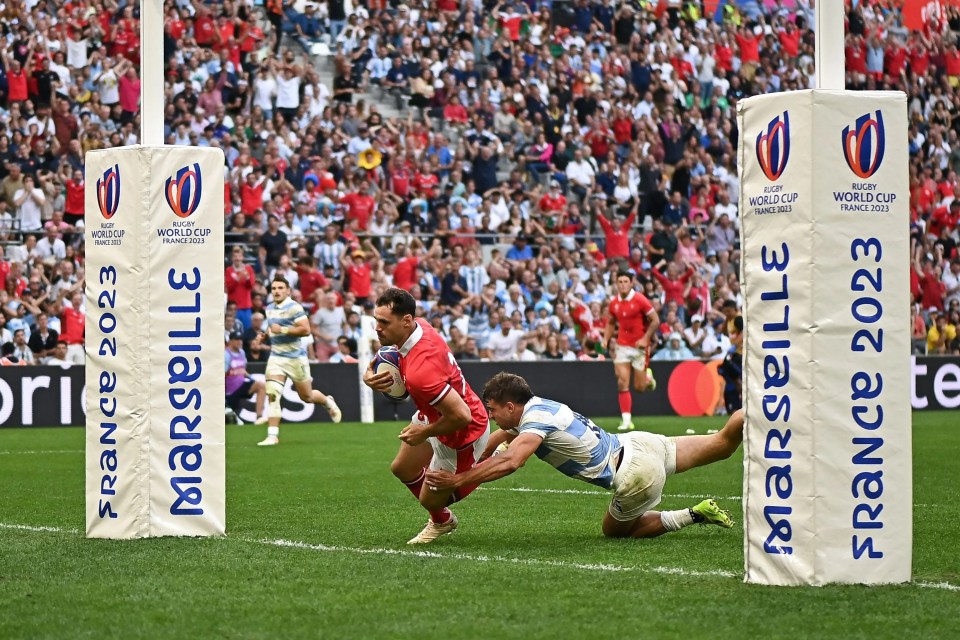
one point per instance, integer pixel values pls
(286, 314)
(571, 443)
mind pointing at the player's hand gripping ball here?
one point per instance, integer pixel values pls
(388, 359)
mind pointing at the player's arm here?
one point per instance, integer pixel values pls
(653, 323)
(608, 329)
(495, 440)
(495, 468)
(300, 328)
(454, 415)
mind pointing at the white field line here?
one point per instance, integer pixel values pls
(26, 527)
(583, 492)
(410, 553)
(681, 496)
(34, 453)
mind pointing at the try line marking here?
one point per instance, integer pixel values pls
(584, 492)
(411, 553)
(24, 453)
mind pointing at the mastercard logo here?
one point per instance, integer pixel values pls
(695, 388)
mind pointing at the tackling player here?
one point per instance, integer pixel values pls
(449, 430)
(287, 323)
(634, 465)
(636, 321)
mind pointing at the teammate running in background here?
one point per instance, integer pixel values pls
(239, 385)
(287, 323)
(634, 465)
(635, 319)
(450, 429)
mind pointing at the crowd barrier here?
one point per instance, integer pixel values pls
(54, 396)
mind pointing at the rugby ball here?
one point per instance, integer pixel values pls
(388, 359)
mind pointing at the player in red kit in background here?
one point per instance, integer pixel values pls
(636, 321)
(449, 430)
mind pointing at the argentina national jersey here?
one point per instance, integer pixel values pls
(571, 443)
(286, 314)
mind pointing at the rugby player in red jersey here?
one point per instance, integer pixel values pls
(450, 429)
(635, 319)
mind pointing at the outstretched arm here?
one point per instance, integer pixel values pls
(495, 468)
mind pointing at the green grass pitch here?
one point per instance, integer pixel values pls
(316, 549)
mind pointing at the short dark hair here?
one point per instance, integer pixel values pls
(400, 302)
(280, 278)
(729, 304)
(507, 387)
(623, 274)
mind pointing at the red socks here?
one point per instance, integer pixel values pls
(416, 486)
(626, 402)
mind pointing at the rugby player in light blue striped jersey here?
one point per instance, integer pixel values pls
(287, 325)
(634, 465)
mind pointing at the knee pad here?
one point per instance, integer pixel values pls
(274, 391)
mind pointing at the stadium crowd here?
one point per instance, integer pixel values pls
(541, 148)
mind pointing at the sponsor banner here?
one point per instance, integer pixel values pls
(155, 437)
(825, 255)
(117, 438)
(185, 344)
(55, 396)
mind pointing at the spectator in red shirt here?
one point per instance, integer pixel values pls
(251, 192)
(359, 272)
(454, 112)
(72, 324)
(617, 234)
(749, 44)
(239, 281)
(790, 40)
(361, 204)
(74, 204)
(405, 273)
(674, 284)
(311, 280)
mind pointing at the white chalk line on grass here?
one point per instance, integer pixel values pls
(411, 553)
(681, 496)
(583, 492)
(26, 527)
(34, 453)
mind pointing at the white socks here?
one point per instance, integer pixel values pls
(273, 431)
(676, 520)
(626, 418)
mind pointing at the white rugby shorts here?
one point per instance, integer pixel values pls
(648, 459)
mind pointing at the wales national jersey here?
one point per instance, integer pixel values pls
(430, 372)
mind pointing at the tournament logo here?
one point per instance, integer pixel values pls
(863, 145)
(108, 192)
(773, 147)
(183, 191)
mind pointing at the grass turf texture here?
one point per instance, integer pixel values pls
(522, 564)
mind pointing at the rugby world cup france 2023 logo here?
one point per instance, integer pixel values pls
(773, 147)
(108, 192)
(863, 145)
(183, 191)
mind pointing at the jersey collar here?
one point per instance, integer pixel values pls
(629, 296)
(412, 340)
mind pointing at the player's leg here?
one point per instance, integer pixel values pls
(273, 389)
(622, 368)
(442, 520)
(647, 460)
(259, 390)
(696, 451)
(643, 379)
(303, 383)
